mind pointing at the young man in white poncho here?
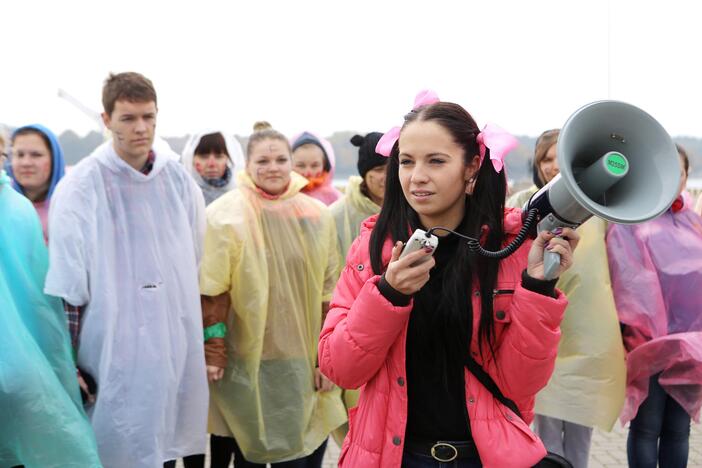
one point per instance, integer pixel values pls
(126, 227)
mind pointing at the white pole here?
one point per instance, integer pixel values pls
(93, 115)
(609, 49)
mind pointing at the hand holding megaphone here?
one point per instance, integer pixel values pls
(561, 243)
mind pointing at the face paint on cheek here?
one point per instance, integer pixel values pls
(118, 135)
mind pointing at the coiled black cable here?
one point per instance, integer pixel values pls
(474, 244)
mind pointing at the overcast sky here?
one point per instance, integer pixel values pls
(354, 65)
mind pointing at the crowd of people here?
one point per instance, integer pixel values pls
(157, 307)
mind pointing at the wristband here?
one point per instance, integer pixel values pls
(218, 330)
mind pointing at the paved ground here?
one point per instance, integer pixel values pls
(608, 449)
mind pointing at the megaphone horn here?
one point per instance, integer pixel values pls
(616, 162)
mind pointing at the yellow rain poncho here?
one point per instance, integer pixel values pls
(589, 380)
(520, 198)
(278, 261)
(349, 212)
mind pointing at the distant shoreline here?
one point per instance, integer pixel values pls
(693, 183)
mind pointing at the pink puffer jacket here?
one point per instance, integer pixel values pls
(362, 344)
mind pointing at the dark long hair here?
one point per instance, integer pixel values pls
(484, 208)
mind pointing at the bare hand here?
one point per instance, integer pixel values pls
(321, 383)
(84, 386)
(563, 245)
(405, 275)
(214, 373)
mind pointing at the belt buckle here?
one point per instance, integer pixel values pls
(444, 444)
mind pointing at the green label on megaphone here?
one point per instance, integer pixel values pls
(616, 163)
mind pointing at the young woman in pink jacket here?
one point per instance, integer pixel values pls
(402, 329)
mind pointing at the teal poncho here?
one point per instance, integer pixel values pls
(43, 423)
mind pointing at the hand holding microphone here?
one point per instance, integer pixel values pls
(408, 273)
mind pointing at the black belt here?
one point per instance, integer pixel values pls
(443, 451)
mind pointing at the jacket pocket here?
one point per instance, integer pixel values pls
(501, 306)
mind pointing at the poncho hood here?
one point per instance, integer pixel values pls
(235, 163)
(58, 165)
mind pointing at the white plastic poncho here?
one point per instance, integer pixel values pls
(277, 260)
(42, 423)
(127, 245)
(235, 163)
(589, 380)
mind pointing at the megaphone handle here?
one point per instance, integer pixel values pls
(552, 261)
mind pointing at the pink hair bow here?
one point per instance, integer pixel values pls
(493, 137)
(388, 140)
(500, 143)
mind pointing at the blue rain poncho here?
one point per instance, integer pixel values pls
(42, 423)
(58, 170)
(58, 165)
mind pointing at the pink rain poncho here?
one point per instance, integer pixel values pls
(656, 271)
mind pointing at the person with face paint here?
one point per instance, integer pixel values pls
(126, 228)
(587, 387)
(36, 167)
(213, 160)
(657, 279)
(313, 158)
(42, 419)
(402, 329)
(267, 275)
